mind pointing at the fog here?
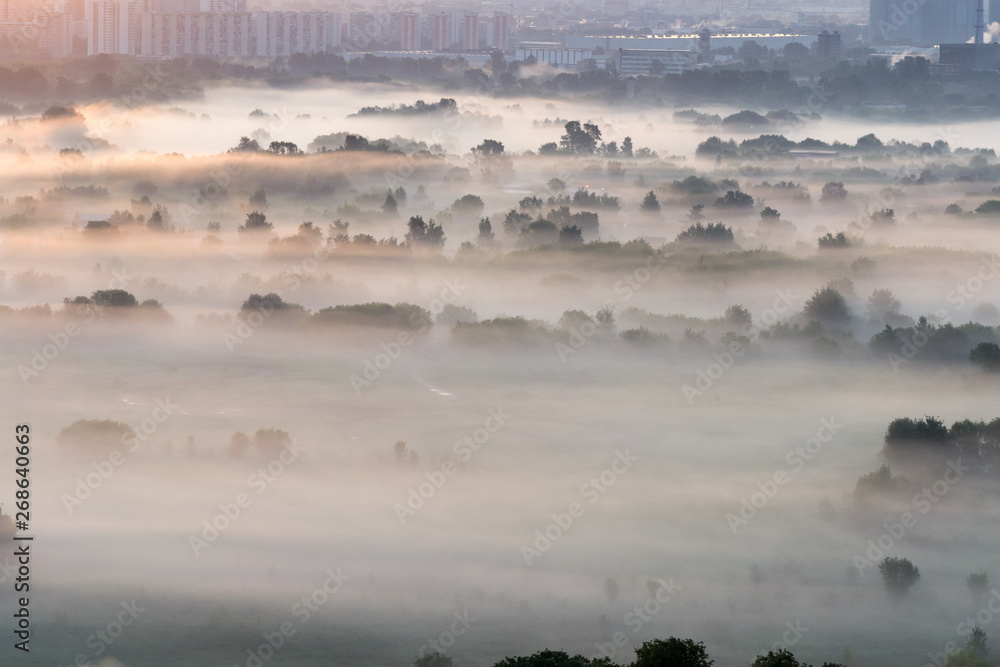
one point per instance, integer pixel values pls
(656, 445)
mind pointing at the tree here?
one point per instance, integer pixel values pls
(355, 142)
(485, 238)
(605, 318)
(710, 233)
(833, 191)
(433, 659)
(529, 203)
(468, 204)
(986, 356)
(827, 306)
(57, 112)
(549, 658)
(256, 222)
(627, 147)
(114, 298)
(488, 148)
(246, 145)
(258, 199)
(976, 641)
(284, 148)
(650, 204)
(239, 444)
(570, 235)
(989, 207)
(751, 49)
(884, 217)
(769, 214)
(746, 118)
(883, 304)
(159, 219)
(795, 51)
(389, 206)
(780, 658)
(578, 139)
(426, 234)
(734, 199)
(978, 583)
(672, 652)
(967, 658)
(913, 68)
(738, 316)
(556, 184)
(830, 241)
(898, 576)
(886, 341)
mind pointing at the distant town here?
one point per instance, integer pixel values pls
(633, 39)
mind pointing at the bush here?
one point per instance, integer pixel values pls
(710, 233)
(978, 583)
(827, 306)
(270, 442)
(734, 199)
(501, 331)
(256, 222)
(451, 314)
(898, 576)
(986, 356)
(101, 433)
(989, 207)
(833, 191)
(780, 658)
(114, 298)
(672, 652)
(382, 315)
(906, 439)
(878, 483)
(831, 241)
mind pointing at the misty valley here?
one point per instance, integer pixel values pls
(371, 369)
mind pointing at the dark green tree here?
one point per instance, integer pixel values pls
(898, 576)
(256, 222)
(424, 234)
(986, 356)
(827, 306)
(672, 652)
(650, 204)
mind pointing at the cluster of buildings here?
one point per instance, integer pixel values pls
(958, 28)
(225, 29)
(928, 22)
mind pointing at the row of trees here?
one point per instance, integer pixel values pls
(676, 652)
